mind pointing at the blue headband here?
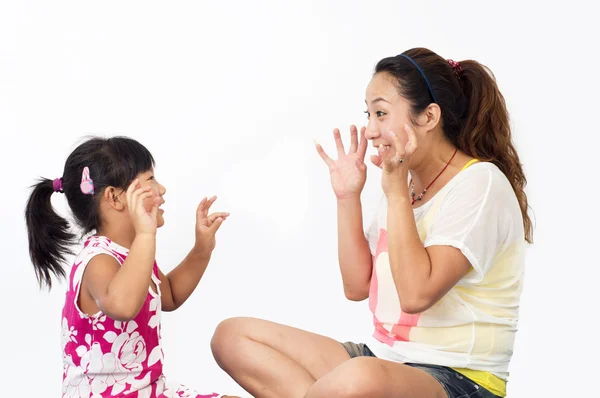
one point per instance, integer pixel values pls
(422, 74)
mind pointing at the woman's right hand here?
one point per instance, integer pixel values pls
(349, 172)
(144, 220)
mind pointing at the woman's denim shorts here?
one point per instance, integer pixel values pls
(455, 384)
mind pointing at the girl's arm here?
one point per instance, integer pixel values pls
(178, 285)
(119, 291)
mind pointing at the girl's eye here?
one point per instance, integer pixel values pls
(368, 114)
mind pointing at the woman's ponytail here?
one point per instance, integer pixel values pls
(486, 134)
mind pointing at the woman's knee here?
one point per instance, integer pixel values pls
(226, 340)
(354, 378)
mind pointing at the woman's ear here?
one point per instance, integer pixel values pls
(115, 198)
(431, 116)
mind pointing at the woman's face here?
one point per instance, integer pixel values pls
(387, 112)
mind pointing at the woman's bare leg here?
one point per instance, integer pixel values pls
(273, 360)
(376, 378)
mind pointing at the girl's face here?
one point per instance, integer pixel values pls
(148, 179)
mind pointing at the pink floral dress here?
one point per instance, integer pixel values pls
(107, 358)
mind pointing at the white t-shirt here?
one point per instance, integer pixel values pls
(473, 326)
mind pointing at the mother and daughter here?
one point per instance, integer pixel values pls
(441, 263)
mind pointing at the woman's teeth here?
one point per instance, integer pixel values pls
(383, 148)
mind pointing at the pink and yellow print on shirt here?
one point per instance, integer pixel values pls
(396, 324)
(473, 326)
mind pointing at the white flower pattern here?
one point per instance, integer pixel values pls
(98, 322)
(69, 334)
(115, 359)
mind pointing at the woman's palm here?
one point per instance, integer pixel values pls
(349, 172)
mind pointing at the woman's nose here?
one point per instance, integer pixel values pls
(372, 131)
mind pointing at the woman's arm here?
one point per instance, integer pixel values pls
(355, 259)
(348, 175)
(422, 276)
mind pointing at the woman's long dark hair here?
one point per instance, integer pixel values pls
(474, 114)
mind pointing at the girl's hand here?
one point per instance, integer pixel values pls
(394, 163)
(349, 172)
(207, 226)
(144, 221)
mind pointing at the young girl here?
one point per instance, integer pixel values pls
(111, 335)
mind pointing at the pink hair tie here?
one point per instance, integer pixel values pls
(57, 185)
(456, 66)
(87, 185)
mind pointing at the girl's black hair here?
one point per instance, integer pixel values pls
(112, 162)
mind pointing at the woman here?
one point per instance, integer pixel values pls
(441, 263)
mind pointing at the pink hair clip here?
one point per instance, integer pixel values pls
(87, 185)
(456, 66)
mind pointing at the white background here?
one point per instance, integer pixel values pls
(228, 96)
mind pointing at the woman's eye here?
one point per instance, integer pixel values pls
(378, 113)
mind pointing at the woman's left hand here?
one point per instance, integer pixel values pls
(207, 226)
(394, 163)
